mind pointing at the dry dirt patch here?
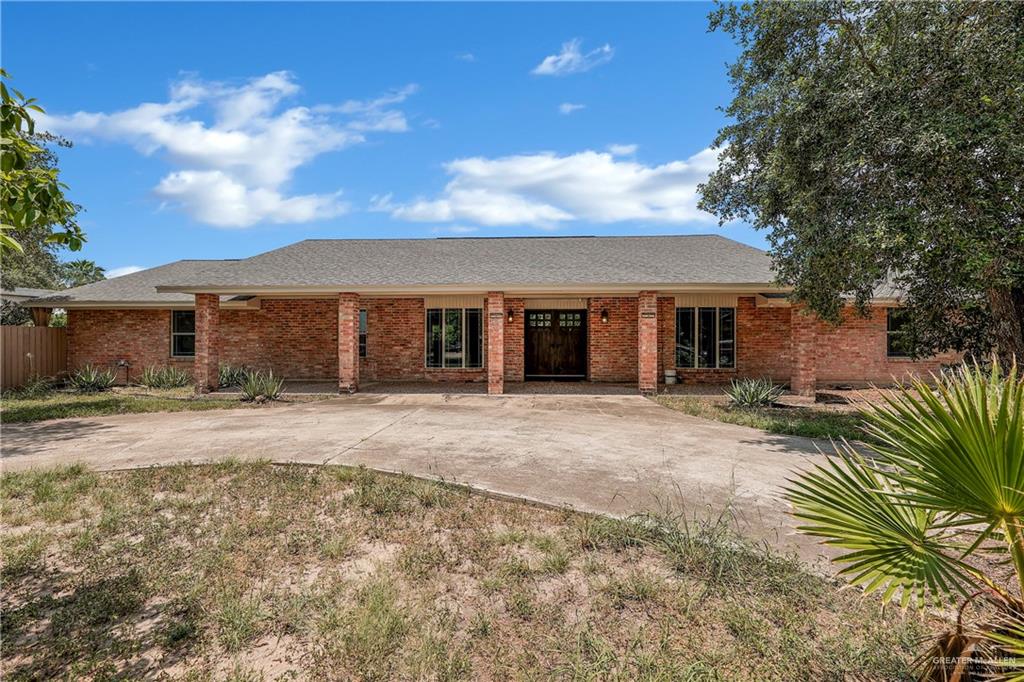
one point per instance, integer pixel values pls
(254, 571)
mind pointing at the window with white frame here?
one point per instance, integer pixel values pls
(706, 338)
(455, 337)
(183, 333)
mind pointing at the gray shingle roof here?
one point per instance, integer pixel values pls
(467, 262)
(136, 288)
(22, 293)
(700, 259)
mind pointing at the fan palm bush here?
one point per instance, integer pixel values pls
(92, 379)
(936, 513)
(753, 392)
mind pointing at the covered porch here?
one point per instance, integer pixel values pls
(487, 343)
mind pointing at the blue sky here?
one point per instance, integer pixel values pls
(225, 130)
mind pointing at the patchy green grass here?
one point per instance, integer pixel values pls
(255, 571)
(792, 421)
(60, 404)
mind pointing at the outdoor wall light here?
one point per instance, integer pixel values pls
(511, 314)
(604, 315)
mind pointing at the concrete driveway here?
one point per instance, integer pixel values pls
(611, 454)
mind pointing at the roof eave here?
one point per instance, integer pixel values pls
(508, 288)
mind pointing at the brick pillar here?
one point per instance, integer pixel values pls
(495, 342)
(348, 343)
(206, 365)
(647, 309)
(803, 341)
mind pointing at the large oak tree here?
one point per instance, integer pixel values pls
(882, 144)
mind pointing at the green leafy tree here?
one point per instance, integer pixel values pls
(31, 194)
(37, 264)
(78, 272)
(935, 511)
(881, 144)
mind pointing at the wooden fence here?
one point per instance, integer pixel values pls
(28, 351)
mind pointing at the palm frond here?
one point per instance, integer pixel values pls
(957, 447)
(900, 550)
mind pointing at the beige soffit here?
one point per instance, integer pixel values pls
(454, 301)
(555, 303)
(762, 301)
(706, 300)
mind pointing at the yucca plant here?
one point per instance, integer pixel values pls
(260, 386)
(92, 379)
(753, 392)
(944, 487)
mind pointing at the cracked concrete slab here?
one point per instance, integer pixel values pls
(616, 454)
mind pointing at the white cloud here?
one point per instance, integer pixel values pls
(455, 229)
(545, 190)
(248, 151)
(567, 108)
(623, 149)
(214, 198)
(124, 270)
(572, 60)
(466, 57)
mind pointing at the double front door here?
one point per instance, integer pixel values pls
(556, 344)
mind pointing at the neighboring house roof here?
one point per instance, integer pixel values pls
(480, 264)
(19, 294)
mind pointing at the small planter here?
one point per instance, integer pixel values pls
(670, 376)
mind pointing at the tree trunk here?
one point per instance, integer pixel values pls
(1007, 307)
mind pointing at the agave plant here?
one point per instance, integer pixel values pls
(92, 379)
(753, 392)
(944, 486)
(164, 377)
(260, 386)
(231, 375)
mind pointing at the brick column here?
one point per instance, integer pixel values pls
(647, 326)
(803, 341)
(495, 342)
(206, 365)
(348, 343)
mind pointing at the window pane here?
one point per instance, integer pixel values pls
(684, 337)
(897, 343)
(726, 337)
(184, 321)
(183, 344)
(474, 337)
(362, 333)
(706, 337)
(453, 338)
(433, 338)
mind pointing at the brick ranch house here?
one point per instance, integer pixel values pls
(601, 309)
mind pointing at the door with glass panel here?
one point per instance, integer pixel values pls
(556, 344)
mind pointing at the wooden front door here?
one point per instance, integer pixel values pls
(556, 344)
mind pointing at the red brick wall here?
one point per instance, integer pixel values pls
(102, 337)
(515, 340)
(854, 352)
(762, 341)
(612, 344)
(296, 338)
(647, 350)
